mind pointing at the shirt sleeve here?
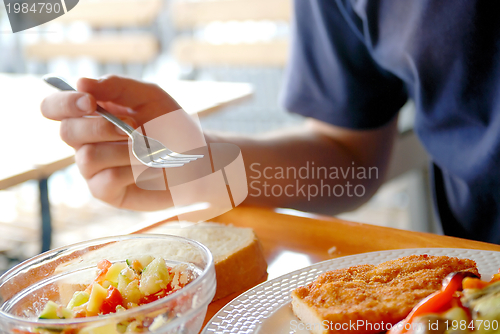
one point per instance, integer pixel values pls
(331, 75)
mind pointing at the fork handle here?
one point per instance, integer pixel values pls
(63, 85)
(115, 120)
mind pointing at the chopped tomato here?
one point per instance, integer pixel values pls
(113, 299)
(103, 267)
(160, 294)
(104, 264)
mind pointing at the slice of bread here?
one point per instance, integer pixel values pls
(370, 299)
(239, 260)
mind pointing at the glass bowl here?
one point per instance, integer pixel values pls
(56, 274)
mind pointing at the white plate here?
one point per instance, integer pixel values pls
(265, 309)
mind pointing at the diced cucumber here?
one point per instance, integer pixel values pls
(114, 271)
(49, 311)
(53, 311)
(97, 296)
(79, 298)
(123, 281)
(103, 329)
(138, 264)
(129, 273)
(131, 293)
(121, 328)
(145, 260)
(158, 322)
(65, 313)
(155, 277)
(106, 284)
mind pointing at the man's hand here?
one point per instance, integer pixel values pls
(101, 148)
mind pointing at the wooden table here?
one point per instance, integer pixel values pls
(292, 240)
(31, 148)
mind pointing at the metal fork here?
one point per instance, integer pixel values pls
(147, 150)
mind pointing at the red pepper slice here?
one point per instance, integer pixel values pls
(432, 303)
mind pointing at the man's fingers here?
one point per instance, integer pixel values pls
(93, 158)
(62, 105)
(79, 131)
(116, 108)
(110, 184)
(126, 92)
(146, 200)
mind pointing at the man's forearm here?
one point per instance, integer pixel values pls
(305, 169)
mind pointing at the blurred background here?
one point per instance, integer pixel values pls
(241, 43)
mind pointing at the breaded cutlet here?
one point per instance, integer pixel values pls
(366, 298)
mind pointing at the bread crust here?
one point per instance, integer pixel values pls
(240, 270)
(372, 296)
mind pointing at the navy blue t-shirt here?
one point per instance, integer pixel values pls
(355, 63)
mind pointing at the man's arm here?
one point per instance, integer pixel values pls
(354, 161)
(315, 167)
